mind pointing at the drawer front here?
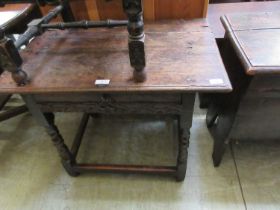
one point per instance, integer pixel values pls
(112, 103)
(97, 97)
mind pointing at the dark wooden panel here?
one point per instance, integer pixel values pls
(257, 119)
(110, 9)
(251, 111)
(262, 48)
(264, 86)
(153, 9)
(95, 97)
(114, 108)
(176, 9)
(80, 9)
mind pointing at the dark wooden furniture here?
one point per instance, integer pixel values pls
(251, 54)
(135, 27)
(215, 11)
(13, 20)
(64, 66)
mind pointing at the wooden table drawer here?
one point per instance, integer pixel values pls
(97, 97)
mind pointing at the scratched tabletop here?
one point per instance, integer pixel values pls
(181, 55)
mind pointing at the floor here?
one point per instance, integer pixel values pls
(32, 178)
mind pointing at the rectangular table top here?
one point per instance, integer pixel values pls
(256, 39)
(215, 11)
(182, 56)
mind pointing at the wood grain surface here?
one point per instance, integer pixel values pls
(250, 51)
(153, 9)
(215, 11)
(181, 56)
(255, 37)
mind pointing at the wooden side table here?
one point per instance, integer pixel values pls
(251, 53)
(215, 11)
(89, 72)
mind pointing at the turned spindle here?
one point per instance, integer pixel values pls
(135, 27)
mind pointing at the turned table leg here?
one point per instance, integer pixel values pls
(47, 120)
(134, 12)
(184, 125)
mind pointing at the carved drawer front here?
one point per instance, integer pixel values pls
(112, 103)
(110, 97)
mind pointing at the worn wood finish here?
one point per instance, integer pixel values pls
(103, 54)
(253, 48)
(114, 108)
(251, 111)
(153, 9)
(223, 107)
(181, 109)
(183, 115)
(215, 11)
(64, 65)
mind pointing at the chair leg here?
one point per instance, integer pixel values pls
(134, 12)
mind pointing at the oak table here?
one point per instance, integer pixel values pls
(251, 55)
(89, 72)
(215, 11)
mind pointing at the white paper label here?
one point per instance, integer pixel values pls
(102, 82)
(216, 81)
